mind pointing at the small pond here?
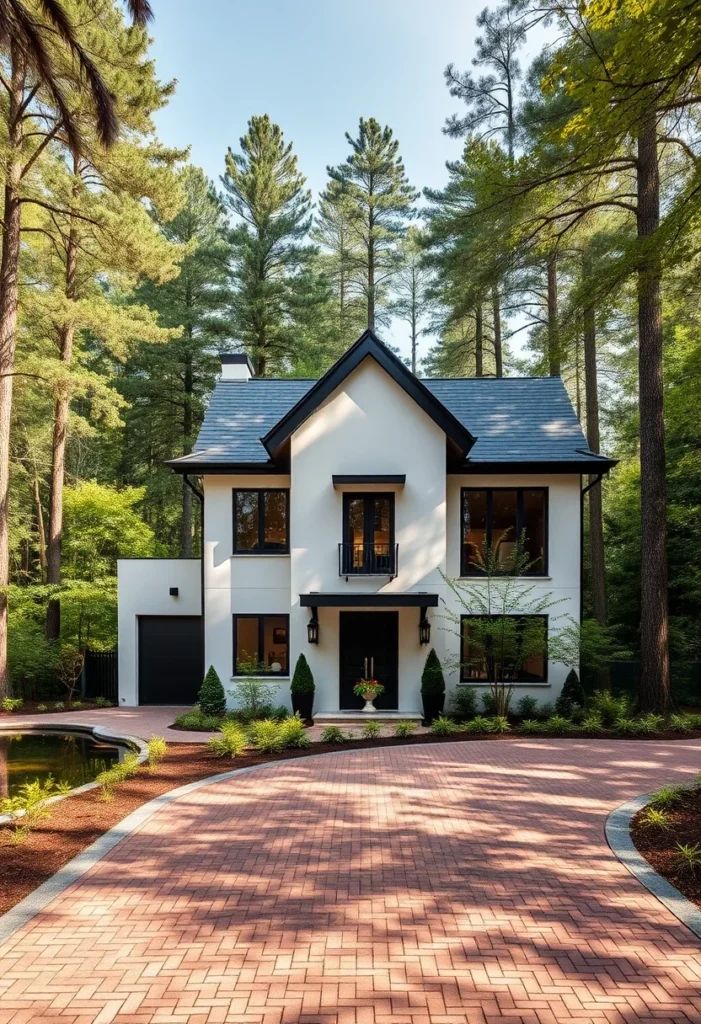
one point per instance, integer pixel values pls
(68, 757)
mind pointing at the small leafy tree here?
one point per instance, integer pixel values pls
(302, 680)
(69, 668)
(211, 698)
(432, 681)
(507, 626)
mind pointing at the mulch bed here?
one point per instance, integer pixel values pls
(658, 846)
(79, 820)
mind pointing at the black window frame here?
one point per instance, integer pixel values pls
(261, 549)
(466, 569)
(517, 682)
(349, 496)
(261, 616)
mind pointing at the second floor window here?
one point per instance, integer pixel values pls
(497, 518)
(261, 522)
(368, 534)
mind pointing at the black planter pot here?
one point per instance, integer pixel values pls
(302, 704)
(433, 705)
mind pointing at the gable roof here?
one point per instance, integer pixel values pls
(516, 423)
(369, 345)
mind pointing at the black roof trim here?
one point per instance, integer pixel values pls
(368, 344)
(410, 600)
(186, 465)
(593, 464)
(397, 479)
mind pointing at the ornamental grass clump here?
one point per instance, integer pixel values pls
(293, 734)
(530, 726)
(404, 729)
(157, 750)
(668, 796)
(609, 708)
(681, 723)
(499, 724)
(443, 726)
(118, 773)
(591, 723)
(332, 734)
(654, 817)
(266, 736)
(688, 858)
(371, 730)
(558, 724)
(196, 721)
(479, 724)
(230, 741)
(211, 698)
(11, 703)
(649, 724)
(30, 806)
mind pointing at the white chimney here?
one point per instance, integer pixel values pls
(236, 366)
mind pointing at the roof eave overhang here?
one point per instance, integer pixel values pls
(579, 467)
(368, 345)
(198, 468)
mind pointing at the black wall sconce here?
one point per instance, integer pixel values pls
(173, 591)
(313, 628)
(424, 628)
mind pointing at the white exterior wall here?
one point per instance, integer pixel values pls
(253, 584)
(143, 586)
(561, 585)
(367, 426)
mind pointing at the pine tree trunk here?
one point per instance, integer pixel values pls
(186, 520)
(596, 519)
(41, 535)
(58, 448)
(554, 365)
(496, 312)
(9, 286)
(479, 341)
(654, 622)
(414, 319)
(371, 285)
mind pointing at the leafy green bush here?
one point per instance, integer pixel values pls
(254, 699)
(610, 709)
(463, 702)
(558, 724)
(31, 800)
(211, 698)
(404, 729)
(649, 724)
(157, 750)
(443, 726)
(499, 724)
(681, 723)
(667, 796)
(280, 713)
(432, 681)
(103, 702)
(77, 705)
(545, 711)
(42, 707)
(591, 723)
(196, 721)
(231, 740)
(118, 773)
(527, 707)
(489, 703)
(302, 680)
(266, 736)
(480, 723)
(59, 705)
(371, 730)
(332, 734)
(531, 726)
(11, 703)
(293, 733)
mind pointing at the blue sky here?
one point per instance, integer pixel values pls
(315, 66)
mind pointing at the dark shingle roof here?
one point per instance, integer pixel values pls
(515, 419)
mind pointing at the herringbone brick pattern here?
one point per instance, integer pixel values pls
(465, 883)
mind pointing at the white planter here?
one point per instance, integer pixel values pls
(369, 708)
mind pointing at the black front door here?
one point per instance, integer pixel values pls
(369, 642)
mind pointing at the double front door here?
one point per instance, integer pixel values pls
(369, 648)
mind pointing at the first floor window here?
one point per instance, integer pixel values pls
(504, 648)
(261, 645)
(261, 522)
(497, 519)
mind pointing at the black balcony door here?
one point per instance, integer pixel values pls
(368, 534)
(369, 639)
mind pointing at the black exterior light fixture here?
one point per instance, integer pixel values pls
(424, 628)
(313, 628)
(173, 591)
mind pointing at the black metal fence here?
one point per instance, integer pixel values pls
(625, 678)
(100, 678)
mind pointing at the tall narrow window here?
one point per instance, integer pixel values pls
(261, 522)
(368, 535)
(501, 518)
(261, 645)
(503, 648)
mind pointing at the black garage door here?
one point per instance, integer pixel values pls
(170, 659)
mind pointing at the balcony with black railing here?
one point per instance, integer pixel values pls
(368, 559)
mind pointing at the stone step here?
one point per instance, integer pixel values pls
(358, 717)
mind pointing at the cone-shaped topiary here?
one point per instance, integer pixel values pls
(432, 681)
(212, 699)
(572, 695)
(302, 680)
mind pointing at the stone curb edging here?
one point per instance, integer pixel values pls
(98, 731)
(619, 839)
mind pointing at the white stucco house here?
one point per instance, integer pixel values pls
(333, 510)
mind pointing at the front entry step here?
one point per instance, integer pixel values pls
(356, 717)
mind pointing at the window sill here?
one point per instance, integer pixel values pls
(260, 679)
(484, 683)
(485, 579)
(260, 554)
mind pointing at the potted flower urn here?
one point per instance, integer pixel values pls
(368, 689)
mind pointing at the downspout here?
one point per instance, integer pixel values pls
(199, 494)
(597, 480)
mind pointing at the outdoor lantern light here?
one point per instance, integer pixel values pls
(173, 591)
(313, 628)
(424, 628)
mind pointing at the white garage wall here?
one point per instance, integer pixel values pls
(142, 589)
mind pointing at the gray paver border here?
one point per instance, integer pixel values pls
(619, 839)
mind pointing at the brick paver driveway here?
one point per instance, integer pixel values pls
(410, 885)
